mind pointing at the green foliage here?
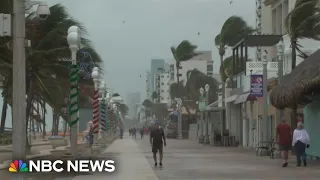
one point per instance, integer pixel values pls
(184, 52)
(177, 90)
(154, 95)
(147, 103)
(115, 95)
(226, 67)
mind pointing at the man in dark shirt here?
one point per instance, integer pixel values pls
(157, 140)
(283, 139)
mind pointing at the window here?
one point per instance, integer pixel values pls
(209, 67)
(162, 98)
(162, 83)
(162, 76)
(162, 90)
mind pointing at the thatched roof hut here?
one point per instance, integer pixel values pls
(299, 85)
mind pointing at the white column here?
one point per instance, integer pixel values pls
(250, 125)
(244, 125)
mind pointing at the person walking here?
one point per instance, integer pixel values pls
(157, 140)
(301, 141)
(141, 132)
(283, 139)
(134, 133)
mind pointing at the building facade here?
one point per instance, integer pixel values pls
(203, 62)
(163, 88)
(157, 65)
(133, 99)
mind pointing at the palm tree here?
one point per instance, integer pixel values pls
(147, 104)
(302, 22)
(154, 96)
(184, 52)
(46, 74)
(232, 31)
(178, 90)
(198, 79)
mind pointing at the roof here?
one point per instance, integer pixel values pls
(259, 40)
(304, 80)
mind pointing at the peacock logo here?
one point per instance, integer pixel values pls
(18, 166)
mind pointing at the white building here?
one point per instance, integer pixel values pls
(203, 62)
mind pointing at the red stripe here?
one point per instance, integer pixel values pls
(95, 105)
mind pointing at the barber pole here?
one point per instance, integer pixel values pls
(103, 115)
(95, 105)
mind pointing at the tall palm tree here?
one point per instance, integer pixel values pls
(232, 31)
(147, 104)
(45, 58)
(302, 22)
(183, 52)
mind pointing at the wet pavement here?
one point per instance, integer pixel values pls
(184, 159)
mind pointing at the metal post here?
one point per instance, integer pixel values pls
(265, 101)
(206, 137)
(180, 119)
(19, 85)
(280, 48)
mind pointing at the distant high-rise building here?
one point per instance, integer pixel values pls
(133, 100)
(157, 65)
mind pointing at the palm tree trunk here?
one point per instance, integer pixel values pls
(65, 127)
(223, 84)
(28, 111)
(3, 115)
(177, 67)
(44, 120)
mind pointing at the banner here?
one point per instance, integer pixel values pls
(256, 85)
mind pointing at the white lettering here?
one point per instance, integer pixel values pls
(72, 165)
(46, 166)
(84, 166)
(110, 167)
(54, 165)
(34, 166)
(96, 165)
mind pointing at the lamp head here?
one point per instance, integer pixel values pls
(74, 29)
(280, 46)
(95, 73)
(73, 39)
(201, 90)
(43, 11)
(264, 57)
(206, 87)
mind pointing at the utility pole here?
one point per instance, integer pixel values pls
(19, 85)
(265, 97)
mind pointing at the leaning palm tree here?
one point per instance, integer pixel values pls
(183, 52)
(302, 22)
(232, 31)
(47, 72)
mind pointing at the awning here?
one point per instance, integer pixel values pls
(231, 98)
(242, 98)
(216, 103)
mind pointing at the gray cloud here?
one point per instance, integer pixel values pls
(150, 28)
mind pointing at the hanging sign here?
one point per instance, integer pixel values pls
(256, 85)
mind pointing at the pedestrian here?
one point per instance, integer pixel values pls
(141, 132)
(301, 141)
(134, 133)
(157, 140)
(130, 131)
(283, 139)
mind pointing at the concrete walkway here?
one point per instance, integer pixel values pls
(130, 163)
(188, 160)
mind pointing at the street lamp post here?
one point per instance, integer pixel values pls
(179, 103)
(206, 137)
(265, 96)
(201, 137)
(95, 109)
(280, 49)
(19, 133)
(74, 40)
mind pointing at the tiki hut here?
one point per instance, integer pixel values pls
(300, 85)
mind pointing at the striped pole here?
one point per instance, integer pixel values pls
(95, 105)
(111, 119)
(103, 115)
(108, 119)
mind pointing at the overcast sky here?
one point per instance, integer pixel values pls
(150, 28)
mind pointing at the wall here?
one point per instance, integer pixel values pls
(312, 124)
